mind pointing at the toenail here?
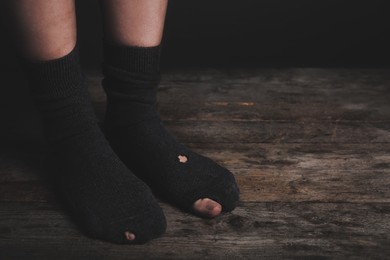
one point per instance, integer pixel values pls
(218, 207)
(129, 236)
(182, 158)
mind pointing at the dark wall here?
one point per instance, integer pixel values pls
(214, 33)
(279, 32)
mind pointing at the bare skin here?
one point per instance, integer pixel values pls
(46, 30)
(134, 22)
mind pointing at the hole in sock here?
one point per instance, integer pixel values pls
(182, 158)
(129, 236)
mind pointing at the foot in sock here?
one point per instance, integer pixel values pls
(136, 133)
(103, 195)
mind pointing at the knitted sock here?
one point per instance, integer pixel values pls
(102, 194)
(136, 133)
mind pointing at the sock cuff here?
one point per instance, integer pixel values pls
(63, 75)
(136, 60)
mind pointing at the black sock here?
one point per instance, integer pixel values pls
(103, 195)
(135, 131)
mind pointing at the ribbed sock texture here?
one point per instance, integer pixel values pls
(135, 131)
(102, 194)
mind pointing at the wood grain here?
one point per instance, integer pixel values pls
(253, 231)
(265, 172)
(310, 149)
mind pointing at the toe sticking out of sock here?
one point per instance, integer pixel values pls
(129, 236)
(207, 208)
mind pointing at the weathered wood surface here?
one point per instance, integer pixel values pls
(265, 172)
(310, 149)
(276, 95)
(252, 231)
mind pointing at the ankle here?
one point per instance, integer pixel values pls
(141, 62)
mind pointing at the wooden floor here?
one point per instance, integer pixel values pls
(310, 149)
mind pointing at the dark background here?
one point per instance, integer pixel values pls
(266, 33)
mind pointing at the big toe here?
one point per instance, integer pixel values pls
(207, 208)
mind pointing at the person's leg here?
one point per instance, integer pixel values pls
(133, 33)
(134, 22)
(44, 30)
(102, 194)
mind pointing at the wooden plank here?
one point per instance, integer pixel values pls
(184, 93)
(297, 156)
(265, 172)
(252, 231)
(269, 95)
(254, 111)
(29, 164)
(265, 92)
(314, 185)
(263, 186)
(26, 191)
(304, 77)
(280, 132)
(276, 111)
(293, 76)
